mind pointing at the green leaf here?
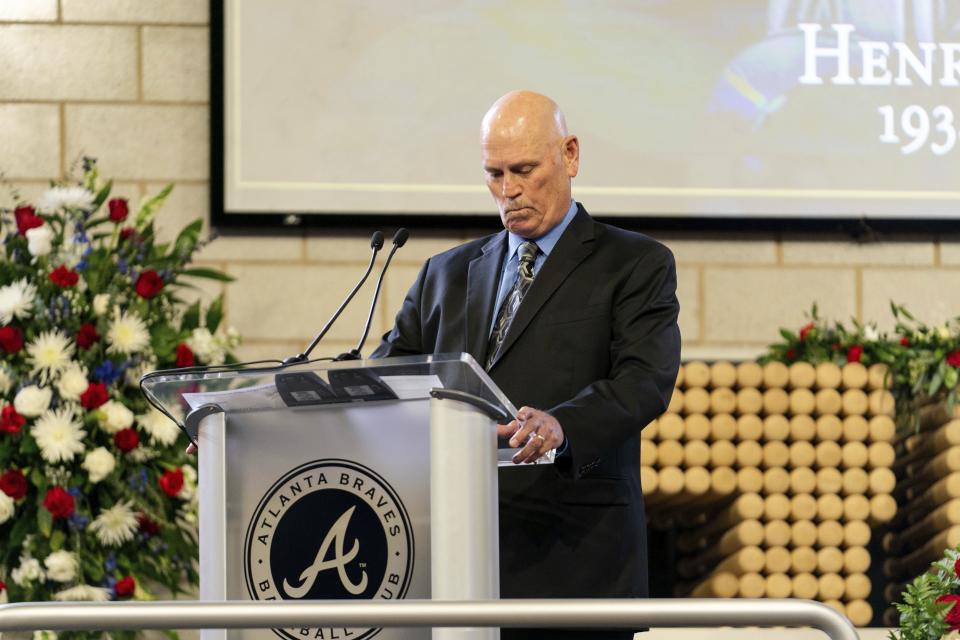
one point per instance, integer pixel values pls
(215, 314)
(191, 317)
(44, 522)
(787, 335)
(202, 272)
(102, 195)
(57, 540)
(935, 383)
(150, 206)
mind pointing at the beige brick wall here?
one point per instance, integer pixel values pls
(126, 81)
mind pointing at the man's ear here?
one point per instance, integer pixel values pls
(571, 155)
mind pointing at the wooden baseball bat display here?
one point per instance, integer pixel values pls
(859, 612)
(676, 401)
(829, 560)
(749, 374)
(856, 533)
(752, 585)
(696, 482)
(880, 454)
(935, 415)
(669, 485)
(881, 480)
(829, 428)
(802, 401)
(856, 507)
(749, 400)
(775, 375)
(830, 586)
(776, 427)
(829, 454)
(829, 534)
(775, 400)
(749, 427)
(696, 426)
(670, 427)
(648, 454)
(854, 402)
(778, 585)
(927, 444)
(681, 376)
(829, 480)
(802, 428)
(776, 533)
(944, 517)
(749, 480)
(696, 400)
(670, 453)
(801, 375)
(649, 481)
(777, 560)
(717, 585)
(749, 453)
(723, 427)
(855, 481)
(723, 453)
(805, 586)
(829, 507)
(649, 432)
(882, 429)
(803, 455)
(723, 482)
(880, 403)
(723, 400)
(853, 455)
(696, 453)
(855, 429)
(776, 455)
(857, 586)
(828, 376)
(723, 374)
(776, 479)
(827, 402)
(747, 506)
(776, 507)
(746, 560)
(696, 374)
(853, 375)
(802, 478)
(803, 560)
(856, 560)
(803, 533)
(878, 377)
(803, 507)
(882, 509)
(920, 559)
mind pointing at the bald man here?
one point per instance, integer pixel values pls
(576, 321)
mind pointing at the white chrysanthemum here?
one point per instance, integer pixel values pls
(7, 507)
(28, 571)
(161, 429)
(870, 333)
(142, 455)
(66, 198)
(101, 302)
(83, 592)
(189, 490)
(61, 566)
(16, 300)
(147, 364)
(49, 353)
(6, 382)
(127, 333)
(115, 525)
(59, 435)
(201, 342)
(99, 463)
(32, 400)
(73, 382)
(39, 240)
(115, 416)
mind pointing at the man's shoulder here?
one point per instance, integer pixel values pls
(634, 242)
(463, 253)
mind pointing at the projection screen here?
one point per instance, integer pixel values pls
(737, 109)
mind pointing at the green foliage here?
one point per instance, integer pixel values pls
(921, 616)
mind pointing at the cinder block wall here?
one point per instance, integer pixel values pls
(126, 81)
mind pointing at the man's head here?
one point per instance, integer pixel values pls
(529, 159)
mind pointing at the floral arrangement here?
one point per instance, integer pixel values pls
(97, 497)
(923, 361)
(929, 608)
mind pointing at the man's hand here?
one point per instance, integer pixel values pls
(538, 429)
(191, 449)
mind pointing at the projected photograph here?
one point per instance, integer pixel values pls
(739, 109)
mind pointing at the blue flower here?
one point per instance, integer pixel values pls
(75, 492)
(138, 481)
(108, 372)
(78, 521)
(122, 266)
(110, 563)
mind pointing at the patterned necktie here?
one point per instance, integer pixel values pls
(527, 253)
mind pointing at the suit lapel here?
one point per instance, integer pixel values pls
(574, 246)
(483, 277)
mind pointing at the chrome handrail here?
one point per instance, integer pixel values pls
(590, 613)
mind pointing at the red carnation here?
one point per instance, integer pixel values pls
(148, 284)
(791, 354)
(184, 356)
(58, 502)
(171, 482)
(3, 586)
(94, 396)
(87, 336)
(805, 331)
(952, 614)
(64, 277)
(126, 439)
(127, 232)
(956, 567)
(10, 420)
(27, 219)
(953, 358)
(147, 525)
(118, 209)
(125, 586)
(13, 484)
(11, 339)
(854, 353)
(905, 341)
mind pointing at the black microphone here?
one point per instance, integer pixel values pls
(376, 243)
(399, 239)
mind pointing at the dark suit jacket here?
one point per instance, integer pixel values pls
(595, 342)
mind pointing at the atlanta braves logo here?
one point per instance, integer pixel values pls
(365, 540)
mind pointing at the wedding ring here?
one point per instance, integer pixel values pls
(542, 439)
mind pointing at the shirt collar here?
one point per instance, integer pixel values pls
(547, 241)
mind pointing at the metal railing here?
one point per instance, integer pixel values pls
(185, 614)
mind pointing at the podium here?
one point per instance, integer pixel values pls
(370, 479)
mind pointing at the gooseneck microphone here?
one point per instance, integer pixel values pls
(399, 239)
(376, 243)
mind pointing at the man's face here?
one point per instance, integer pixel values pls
(530, 179)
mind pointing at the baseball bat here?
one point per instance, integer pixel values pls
(723, 374)
(696, 374)
(749, 374)
(828, 376)
(854, 402)
(723, 427)
(775, 375)
(853, 375)
(827, 402)
(801, 375)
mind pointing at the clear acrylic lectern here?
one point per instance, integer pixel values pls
(370, 479)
